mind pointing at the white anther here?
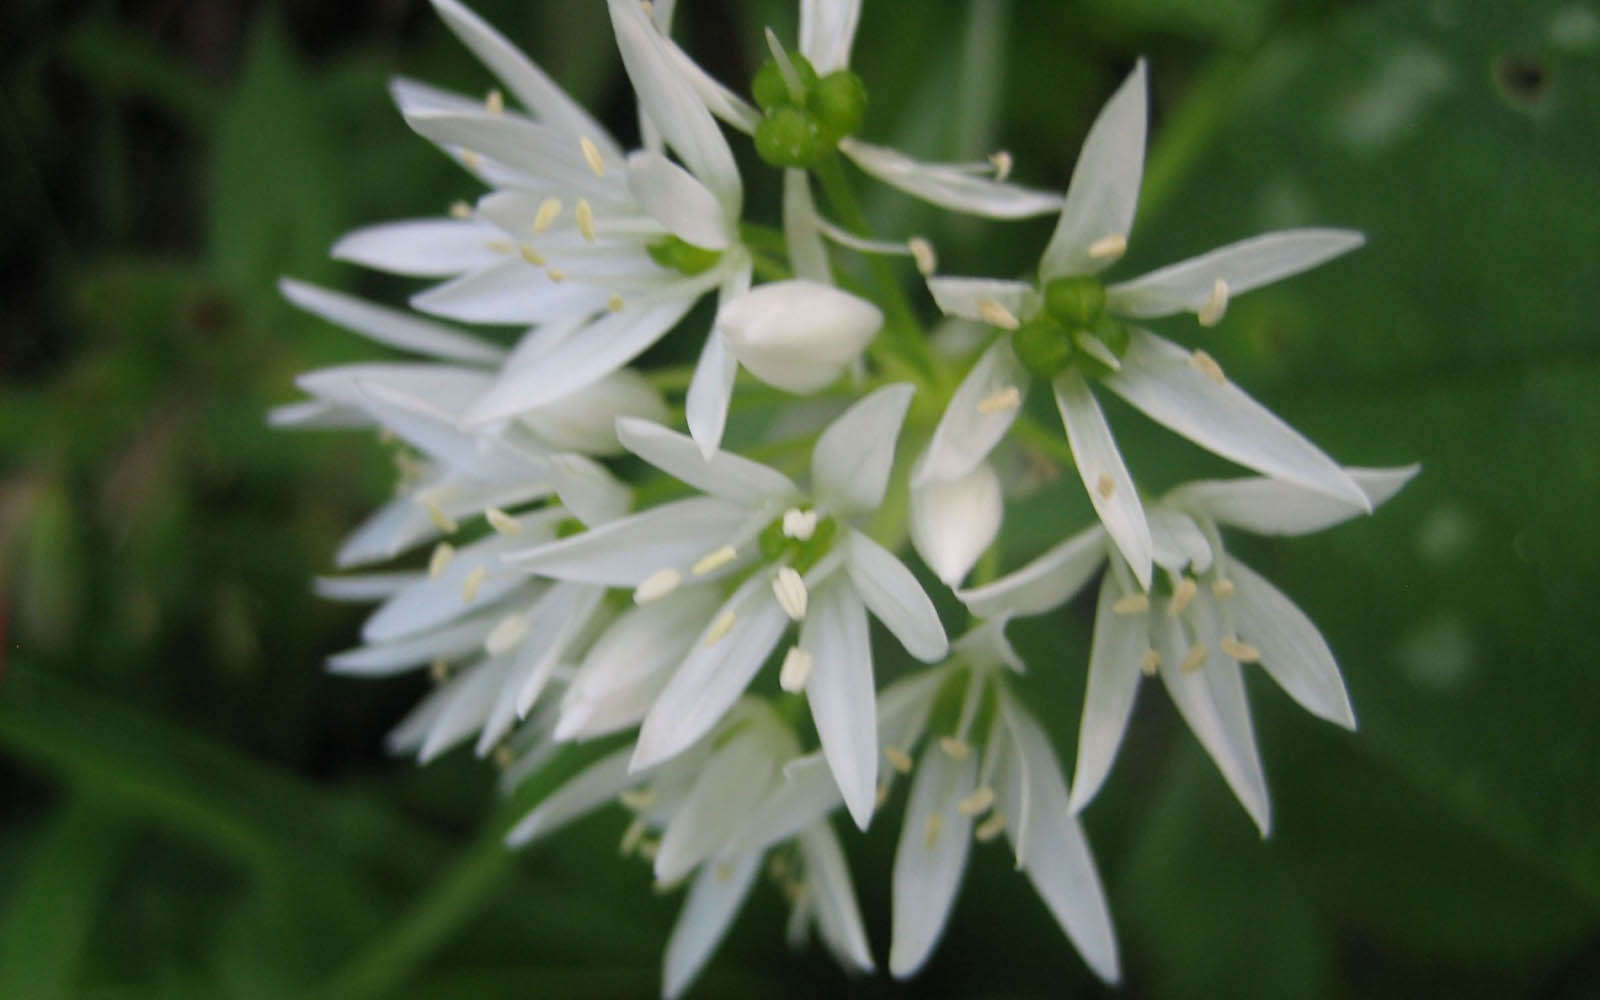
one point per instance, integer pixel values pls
(880, 795)
(1210, 313)
(1241, 651)
(1150, 662)
(1182, 594)
(1109, 247)
(1222, 588)
(720, 627)
(922, 253)
(504, 757)
(797, 664)
(996, 314)
(638, 799)
(1105, 486)
(657, 585)
(1206, 365)
(955, 749)
(1131, 604)
(556, 275)
(545, 217)
(714, 560)
(591, 156)
(614, 303)
(1097, 349)
(494, 102)
(501, 246)
(790, 590)
(1000, 400)
(931, 829)
(444, 522)
(977, 803)
(799, 524)
(502, 522)
(898, 759)
(990, 828)
(648, 849)
(531, 255)
(439, 671)
(460, 210)
(472, 584)
(584, 215)
(442, 554)
(632, 837)
(471, 160)
(1001, 159)
(1195, 657)
(504, 637)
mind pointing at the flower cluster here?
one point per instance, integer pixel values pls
(595, 575)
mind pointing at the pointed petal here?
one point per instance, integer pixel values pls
(1293, 652)
(1120, 641)
(838, 915)
(827, 30)
(841, 692)
(624, 552)
(851, 463)
(801, 234)
(726, 475)
(511, 291)
(677, 200)
(896, 598)
(427, 248)
(1270, 507)
(710, 392)
(364, 587)
(971, 425)
(808, 793)
(588, 489)
(556, 621)
(952, 523)
(432, 601)
(718, 892)
(1243, 266)
(929, 860)
(968, 297)
(1105, 477)
(389, 326)
(1048, 582)
(586, 421)
(386, 658)
(536, 151)
(471, 696)
(1159, 378)
(1105, 183)
(597, 785)
(949, 186)
(724, 790)
(1177, 542)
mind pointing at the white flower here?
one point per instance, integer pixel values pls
(1216, 615)
(1071, 328)
(796, 558)
(798, 335)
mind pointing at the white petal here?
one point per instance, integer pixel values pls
(1120, 641)
(534, 150)
(362, 588)
(927, 869)
(588, 489)
(586, 421)
(985, 646)
(841, 692)
(1270, 507)
(725, 475)
(714, 675)
(798, 335)
(1058, 860)
(949, 186)
(678, 201)
(389, 326)
(597, 785)
(801, 235)
(1159, 378)
(512, 291)
(1105, 183)
(1176, 541)
(710, 391)
(977, 417)
(838, 916)
(827, 30)
(425, 248)
(1045, 583)
(904, 707)
(471, 697)
(1243, 266)
(969, 298)
(851, 463)
(624, 552)
(433, 601)
(718, 892)
(719, 100)
(316, 413)
(555, 622)
(643, 641)
(808, 793)
(1104, 475)
(1293, 652)
(895, 598)
(952, 523)
(724, 790)
(383, 659)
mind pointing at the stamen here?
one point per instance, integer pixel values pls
(494, 102)
(545, 217)
(1105, 486)
(1097, 349)
(591, 156)
(638, 799)
(898, 759)
(439, 671)
(721, 627)
(444, 522)
(799, 524)
(797, 664)
(632, 836)
(614, 303)
(790, 590)
(502, 522)
(648, 849)
(1195, 657)
(511, 630)
(531, 255)
(996, 314)
(922, 253)
(584, 215)
(442, 554)
(460, 210)
(1008, 398)
(1109, 247)
(955, 749)
(504, 757)
(723, 872)
(657, 585)
(1222, 588)
(1002, 164)
(472, 584)
(990, 828)
(501, 246)
(1210, 313)
(931, 829)
(977, 803)
(556, 275)
(881, 795)
(1206, 365)
(778, 868)
(714, 560)
(471, 160)
(1149, 663)
(1182, 594)
(1131, 604)
(1241, 651)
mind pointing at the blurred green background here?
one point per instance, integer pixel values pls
(194, 808)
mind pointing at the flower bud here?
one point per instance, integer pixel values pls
(798, 335)
(953, 522)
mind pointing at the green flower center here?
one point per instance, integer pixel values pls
(780, 544)
(685, 258)
(1072, 330)
(803, 124)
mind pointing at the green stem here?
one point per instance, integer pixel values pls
(1041, 439)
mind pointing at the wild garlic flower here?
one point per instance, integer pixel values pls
(792, 558)
(1215, 615)
(1071, 329)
